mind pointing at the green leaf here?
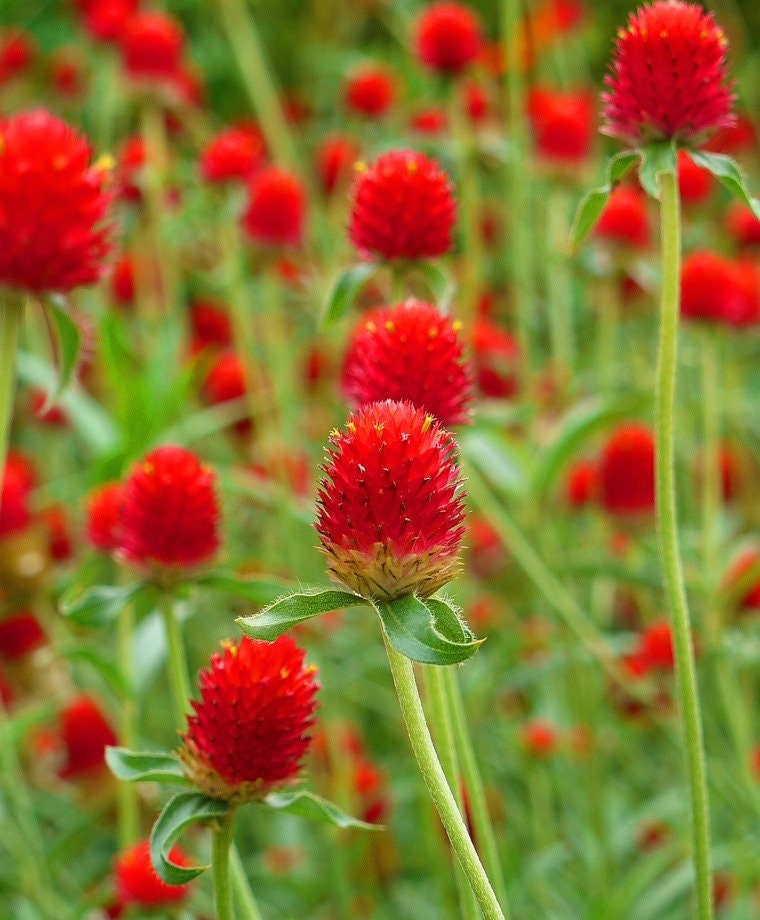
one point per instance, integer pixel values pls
(100, 605)
(620, 165)
(144, 767)
(278, 618)
(592, 204)
(69, 342)
(184, 809)
(314, 808)
(345, 290)
(256, 590)
(430, 632)
(656, 159)
(727, 172)
(494, 456)
(439, 282)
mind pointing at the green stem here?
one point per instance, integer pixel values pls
(607, 309)
(128, 810)
(11, 315)
(246, 902)
(711, 484)
(481, 819)
(559, 284)
(435, 780)
(178, 679)
(667, 535)
(220, 860)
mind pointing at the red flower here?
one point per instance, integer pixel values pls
(52, 206)
(123, 281)
(106, 20)
(695, 183)
(625, 219)
(137, 882)
(20, 635)
(56, 523)
(563, 124)
(251, 726)
(539, 738)
(738, 574)
(210, 325)
(496, 356)
(277, 208)
(104, 509)
(668, 76)
(655, 647)
(582, 483)
(226, 381)
(719, 290)
(86, 734)
(129, 170)
(17, 51)
(336, 157)
(151, 46)
(432, 120)
(170, 515)
(14, 500)
(448, 37)
(742, 224)
(369, 91)
(411, 351)
(403, 208)
(390, 508)
(626, 471)
(67, 72)
(236, 153)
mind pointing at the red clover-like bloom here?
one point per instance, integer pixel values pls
(448, 37)
(370, 91)
(626, 471)
(86, 733)
(234, 154)
(151, 46)
(252, 724)
(667, 80)
(335, 157)
(562, 124)
(276, 212)
(410, 351)
(137, 882)
(390, 508)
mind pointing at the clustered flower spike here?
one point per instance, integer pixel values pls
(390, 508)
(403, 208)
(668, 77)
(251, 726)
(410, 351)
(53, 204)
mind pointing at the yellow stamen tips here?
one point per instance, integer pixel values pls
(429, 419)
(390, 326)
(664, 33)
(284, 672)
(105, 162)
(59, 162)
(148, 469)
(720, 35)
(351, 427)
(311, 669)
(229, 646)
(432, 332)
(360, 166)
(2, 143)
(371, 326)
(457, 325)
(411, 166)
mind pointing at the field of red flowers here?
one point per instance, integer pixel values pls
(379, 460)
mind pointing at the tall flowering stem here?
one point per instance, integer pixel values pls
(667, 535)
(223, 835)
(11, 315)
(178, 679)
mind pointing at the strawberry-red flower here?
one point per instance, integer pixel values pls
(17, 51)
(170, 515)
(52, 206)
(655, 647)
(20, 635)
(448, 37)
(236, 153)
(210, 324)
(413, 352)
(739, 572)
(582, 483)
(86, 733)
(694, 182)
(562, 123)
(403, 208)
(335, 158)
(626, 471)
(742, 225)
(224, 382)
(15, 489)
(276, 212)
(104, 509)
(495, 357)
(106, 20)
(137, 882)
(720, 290)
(390, 509)
(667, 79)
(151, 46)
(252, 724)
(539, 737)
(625, 219)
(370, 91)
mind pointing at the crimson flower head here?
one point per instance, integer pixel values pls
(137, 882)
(17, 51)
(626, 471)
(86, 733)
(15, 491)
(276, 212)
(695, 183)
(742, 225)
(20, 635)
(151, 46)
(224, 382)
(390, 510)
(717, 289)
(105, 20)
(668, 80)
(370, 91)
(252, 724)
(562, 123)
(335, 158)
(625, 220)
(496, 355)
(53, 203)
(403, 208)
(448, 37)
(234, 154)
(411, 351)
(170, 514)
(104, 509)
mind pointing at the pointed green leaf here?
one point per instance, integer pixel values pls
(184, 809)
(592, 204)
(256, 590)
(345, 290)
(145, 767)
(439, 282)
(489, 450)
(620, 165)
(655, 160)
(69, 344)
(280, 616)
(727, 172)
(100, 605)
(314, 808)
(425, 633)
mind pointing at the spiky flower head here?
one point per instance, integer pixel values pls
(276, 214)
(252, 724)
(53, 204)
(137, 882)
(410, 351)
(390, 508)
(448, 37)
(667, 79)
(403, 208)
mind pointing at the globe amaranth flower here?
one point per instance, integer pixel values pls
(276, 213)
(668, 80)
(252, 724)
(53, 203)
(448, 37)
(403, 208)
(136, 880)
(234, 154)
(369, 91)
(151, 46)
(625, 219)
(390, 510)
(335, 158)
(85, 733)
(626, 471)
(562, 125)
(717, 289)
(411, 351)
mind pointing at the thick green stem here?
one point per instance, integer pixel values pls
(128, 810)
(607, 308)
(220, 861)
(11, 314)
(178, 679)
(711, 484)
(667, 535)
(435, 780)
(559, 283)
(248, 909)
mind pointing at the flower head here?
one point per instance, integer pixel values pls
(20, 635)
(370, 91)
(390, 508)
(86, 733)
(52, 206)
(562, 123)
(151, 46)
(251, 726)
(720, 290)
(626, 471)
(335, 157)
(224, 382)
(276, 212)
(667, 80)
(448, 37)
(403, 208)
(104, 509)
(625, 220)
(496, 355)
(234, 154)
(410, 351)
(137, 882)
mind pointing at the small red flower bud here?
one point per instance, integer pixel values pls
(17, 51)
(668, 76)
(625, 219)
(235, 154)
(403, 208)
(738, 573)
(252, 724)
(276, 212)
(496, 354)
(86, 734)
(563, 124)
(151, 46)
(335, 159)
(477, 102)
(655, 647)
(409, 352)
(695, 183)
(539, 738)
(370, 91)
(390, 509)
(56, 522)
(132, 158)
(448, 37)
(716, 289)
(14, 500)
(626, 471)
(582, 483)
(432, 121)
(210, 325)
(106, 20)
(104, 510)
(67, 72)
(742, 225)
(224, 382)
(20, 635)
(137, 882)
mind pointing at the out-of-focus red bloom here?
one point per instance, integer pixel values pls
(151, 46)
(716, 289)
(539, 738)
(432, 120)
(56, 522)
(409, 352)
(54, 416)
(742, 224)
(234, 154)
(276, 213)
(252, 724)
(22, 469)
(737, 575)
(67, 72)
(724, 889)
(655, 647)
(137, 882)
(477, 102)
(370, 91)
(486, 553)
(626, 471)
(667, 78)
(737, 138)
(403, 208)
(447, 37)
(17, 51)
(651, 835)
(52, 206)
(132, 158)
(6, 691)
(20, 635)
(582, 483)
(370, 784)
(210, 325)
(496, 354)
(85, 733)
(14, 500)
(123, 281)
(224, 382)
(170, 516)
(104, 509)
(563, 124)
(732, 469)
(106, 20)
(625, 219)
(695, 183)
(335, 159)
